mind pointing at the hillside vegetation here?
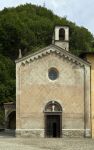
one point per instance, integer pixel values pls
(29, 27)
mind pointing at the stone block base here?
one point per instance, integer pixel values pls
(76, 133)
(72, 133)
(40, 133)
(29, 133)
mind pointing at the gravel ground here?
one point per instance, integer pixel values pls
(12, 143)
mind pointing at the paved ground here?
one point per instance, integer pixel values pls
(12, 143)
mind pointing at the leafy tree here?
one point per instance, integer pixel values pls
(31, 27)
(7, 80)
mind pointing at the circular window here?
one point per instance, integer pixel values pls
(53, 73)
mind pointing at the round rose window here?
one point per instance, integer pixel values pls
(53, 73)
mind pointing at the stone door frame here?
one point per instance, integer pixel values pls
(53, 114)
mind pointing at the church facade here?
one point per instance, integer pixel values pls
(53, 91)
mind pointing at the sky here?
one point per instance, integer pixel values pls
(79, 11)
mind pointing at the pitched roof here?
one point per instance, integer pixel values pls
(52, 49)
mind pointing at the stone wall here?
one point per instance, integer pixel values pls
(34, 90)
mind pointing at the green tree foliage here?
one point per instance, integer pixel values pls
(2, 117)
(81, 40)
(29, 27)
(7, 80)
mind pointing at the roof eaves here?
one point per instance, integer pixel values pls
(33, 54)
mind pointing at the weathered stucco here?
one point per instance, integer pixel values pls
(34, 90)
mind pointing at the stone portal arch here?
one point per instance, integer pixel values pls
(53, 119)
(10, 115)
(11, 120)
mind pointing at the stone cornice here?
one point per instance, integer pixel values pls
(52, 49)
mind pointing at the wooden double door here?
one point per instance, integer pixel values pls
(53, 126)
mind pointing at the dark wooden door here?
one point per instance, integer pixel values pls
(53, 126)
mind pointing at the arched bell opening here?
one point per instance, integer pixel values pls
(53, 120)
(62, 34)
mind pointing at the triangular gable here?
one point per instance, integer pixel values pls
(52, 49)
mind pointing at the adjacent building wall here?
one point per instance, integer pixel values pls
(90, 58)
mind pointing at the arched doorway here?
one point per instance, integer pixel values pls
(53, 120)
(11, 121)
